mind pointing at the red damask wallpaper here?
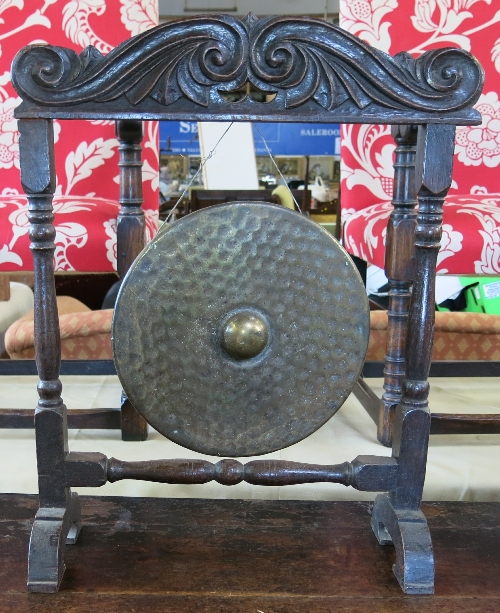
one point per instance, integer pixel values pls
(86, 151)
(471, 230)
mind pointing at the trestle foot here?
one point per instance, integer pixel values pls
(409, 533)
(53, 528)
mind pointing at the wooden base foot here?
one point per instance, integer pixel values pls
(409, 533)
(53, 528)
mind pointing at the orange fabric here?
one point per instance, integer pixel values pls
(65, 304)
(458, 336)
(85, 334)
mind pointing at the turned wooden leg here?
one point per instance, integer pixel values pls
(399, 263)
(131, 238)
(58, 519)
(397, 516)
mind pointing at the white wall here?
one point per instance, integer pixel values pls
(177, 8)
(233, 165)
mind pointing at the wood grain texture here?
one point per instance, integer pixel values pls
(130, 240)
(368, 473)
(412, 420)
(465, 423)
(133, 426)
(94, 419)
(316, 70)
(130, 230)
(36, 149)
(369, 400)
(399, 265)
(58, 519)
(180, 70)
(231, 556)
(201, 198)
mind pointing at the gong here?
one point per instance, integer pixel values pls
(240, 329)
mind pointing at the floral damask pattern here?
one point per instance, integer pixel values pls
(367, 161)
(451, 243)
(76, 24)
(372, 223)
(471, 231)
(417, 26)
(486, 212)
(476, 145)
(87, 157)
(77, 221)
(9, 136)
(110, 229)
(139, 15)
(86, 151)
(441, 21)
(364, 18)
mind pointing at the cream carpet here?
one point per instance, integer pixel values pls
(460, 467)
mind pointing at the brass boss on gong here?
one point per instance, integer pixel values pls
(240, 329)
(245, 334)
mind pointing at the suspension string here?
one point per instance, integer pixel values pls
(200, 168)
(279, 171)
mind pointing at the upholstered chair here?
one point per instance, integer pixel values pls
(470, 242)
(87, 153)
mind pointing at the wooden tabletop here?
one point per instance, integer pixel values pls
(230, 556)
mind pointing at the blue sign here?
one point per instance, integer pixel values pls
(181, 137)
(297, 138)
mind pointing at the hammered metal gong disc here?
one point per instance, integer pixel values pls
(241, 329)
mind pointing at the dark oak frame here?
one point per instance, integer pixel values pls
(130, 241)
(178, 70)
(400, 272)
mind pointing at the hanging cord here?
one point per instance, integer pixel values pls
(200, 168)
(279, 171)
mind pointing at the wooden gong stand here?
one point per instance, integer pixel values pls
(130, 241)
(399, 269)
(318, 73)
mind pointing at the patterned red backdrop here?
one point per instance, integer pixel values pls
(86, 151)
(471, 230)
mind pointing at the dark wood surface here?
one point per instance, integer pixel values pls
(319, 73)
(201, 198)
(92, 419)
(178, 70)
(399, 265)
(130, 240)
(441, 423)
(89, 288)
(181, 555)
(368, 473)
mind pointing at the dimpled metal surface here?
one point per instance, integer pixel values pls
(179, 293)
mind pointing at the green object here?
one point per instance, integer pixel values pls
(329, 227)
(481, 295)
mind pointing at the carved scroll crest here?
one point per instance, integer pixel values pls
(297, 58)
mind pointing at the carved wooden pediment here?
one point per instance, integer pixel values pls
(315, 70)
